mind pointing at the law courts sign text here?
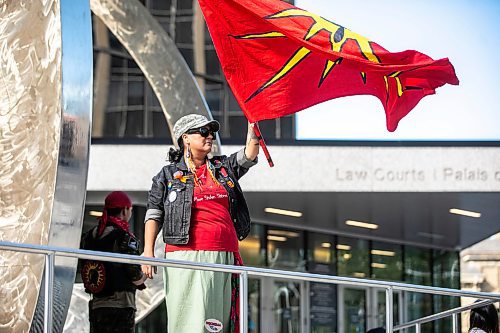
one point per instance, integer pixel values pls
(380, 169)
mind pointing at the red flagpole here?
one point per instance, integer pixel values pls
(262, 143)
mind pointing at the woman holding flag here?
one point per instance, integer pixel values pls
(199, 204)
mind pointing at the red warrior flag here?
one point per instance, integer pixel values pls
(280, 59)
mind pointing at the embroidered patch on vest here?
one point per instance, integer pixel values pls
(94, 276)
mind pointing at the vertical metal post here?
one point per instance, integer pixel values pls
(417, 328)
(173, 19)
(243, 302)
(454, 318)
(389, 308)
(49, 288)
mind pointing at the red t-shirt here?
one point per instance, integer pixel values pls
(211, 227)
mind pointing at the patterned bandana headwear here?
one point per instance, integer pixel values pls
(116, 199)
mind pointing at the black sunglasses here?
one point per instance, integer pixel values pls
(203, 131)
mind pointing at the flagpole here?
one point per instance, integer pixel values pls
(262, 143)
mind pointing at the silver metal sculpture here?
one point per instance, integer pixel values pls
(30, 104)
(72, 170)
(45, 111)
(44, 143)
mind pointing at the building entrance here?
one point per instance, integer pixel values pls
(361, 309)
(377, 314)
(280, 306)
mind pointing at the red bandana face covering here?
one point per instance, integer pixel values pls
(116, 199)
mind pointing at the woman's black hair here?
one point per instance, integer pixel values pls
(114, 211)
(175, 155)
(485, 318)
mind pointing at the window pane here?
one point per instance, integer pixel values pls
(233, 104)
(353, 258)
(135, 93)
(165, 24)
(268, 128)
(253, 306)
(446, 269)
(134, 127)
(285, 249)
(212, 63)
(151, 97)
(117, 62)
(160, 128)
(354, 310)
(160, 4)
(418, 265)
(132, 65)
(184, 4)
(114, 123)
(212, 95)
(286, 307)
(183, 32)
(288, 127)
(115, 44)
(418, 271)
(117, 94)
(446, 275)
(386, 261)
(253, 248)
(188, 56)
(321, 253)
(238, 127)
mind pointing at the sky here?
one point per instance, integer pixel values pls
(465, 31)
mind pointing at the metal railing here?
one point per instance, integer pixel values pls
(452, 312)
(244, 271)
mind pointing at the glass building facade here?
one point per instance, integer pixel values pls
(127, 107)
(324, 307)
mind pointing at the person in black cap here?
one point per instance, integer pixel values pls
(199, 204)
(112, 285)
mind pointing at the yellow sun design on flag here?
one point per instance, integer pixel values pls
(338, 37)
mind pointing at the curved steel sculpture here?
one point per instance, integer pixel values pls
(46, 55)
(30, 97)
(45, 111)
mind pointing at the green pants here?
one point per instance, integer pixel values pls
(198, 301)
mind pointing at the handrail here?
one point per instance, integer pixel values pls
(49, 285)
(254, 271)
(442, 315)
(244, 272)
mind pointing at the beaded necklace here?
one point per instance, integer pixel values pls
(210, 169)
